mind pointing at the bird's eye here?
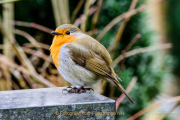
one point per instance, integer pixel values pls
(67, 33)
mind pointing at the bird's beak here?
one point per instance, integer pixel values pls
(55, 33)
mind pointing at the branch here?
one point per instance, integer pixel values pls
(33, 25)
(174, 107)
(10, 63)
(121, 29)
(82, 17)
(14, 47)
(119, 18)
(128, 47)
(122, 96)
(7, 1)
(134, 40)
(153, 106)
(95, 17)
(76, 10)
(7, 77)
(141, 50)
(28, 37)
(64, 11)
(86, 9)
(38, 54)
(42, 45)
(56, 10)
(23, 58)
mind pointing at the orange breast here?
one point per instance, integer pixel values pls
(58, 42)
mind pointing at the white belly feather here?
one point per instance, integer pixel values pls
(74, 73)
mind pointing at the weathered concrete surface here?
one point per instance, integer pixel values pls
(51, 104)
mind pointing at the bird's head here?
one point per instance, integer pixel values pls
(66, 33)
(66, 30)
(63, 34)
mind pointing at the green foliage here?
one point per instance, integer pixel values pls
(173, 25)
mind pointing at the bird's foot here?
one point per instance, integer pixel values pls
(77, 90)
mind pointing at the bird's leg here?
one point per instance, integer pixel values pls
(89, 89)
(77, 90)
(66, 89)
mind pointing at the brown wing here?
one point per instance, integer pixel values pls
(95, 64)
(92, 57)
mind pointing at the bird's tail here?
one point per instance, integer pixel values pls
(123, 90)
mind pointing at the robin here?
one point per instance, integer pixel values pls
(81, 59)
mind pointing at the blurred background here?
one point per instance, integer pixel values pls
(141, 36)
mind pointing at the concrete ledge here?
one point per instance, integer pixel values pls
(51, 104)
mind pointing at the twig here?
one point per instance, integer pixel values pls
(81, 19)
(141, 50)
(7, 1)
(63, 6)
(24, 60)
(86, 9)
(174, 107)
(128, 47)
(28, 37)
(56, 10)
(95, 17)
(33, 52)
(45, 66)
(76, 10)
(33, 25)
(122, 96)
(66, 6)
(153, 106)
(11, 41)
(121, 29)
(95, 31)
(8, 16)
(28, 79)
(15, 86)
(19, 78)
(22, 69)
(42, 45)
(119, 18)
(38, 54)
(7, 77)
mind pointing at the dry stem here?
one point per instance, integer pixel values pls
(121, 28)
(76, 10)
(174, 107)
(7, 1)
(141, 50)
(42, 45)
(56, 10)
(33, 25)
(10, 63)
(28, 37)
(128, 47)
(95, 17)
(86, 9)
(122, 96)
(153, 106)
(119, 18)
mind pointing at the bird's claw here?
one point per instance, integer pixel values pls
(77, 90)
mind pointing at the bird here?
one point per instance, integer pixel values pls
(81, 59)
